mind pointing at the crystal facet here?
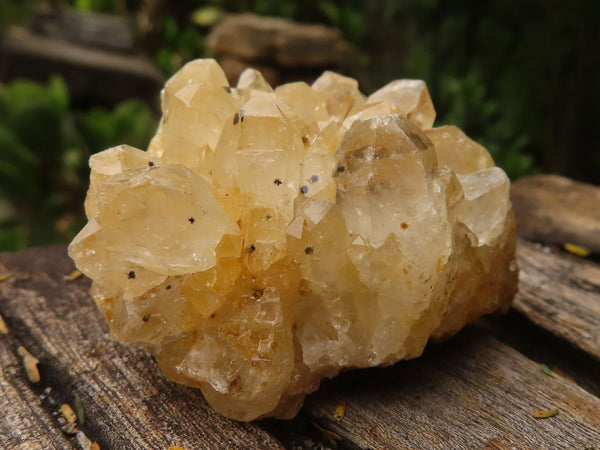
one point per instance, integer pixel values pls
(270, 238)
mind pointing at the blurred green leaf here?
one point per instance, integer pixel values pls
(39, 129)
(12, 237)
(58, 93)
(134, 123)
(131, 122)
(15, 12)
(206, 16)
(331, 11)
(44, 149)
(83, 5)
(102, 6)
(170, 30)
(21, 94)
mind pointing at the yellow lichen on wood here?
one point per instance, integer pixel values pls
(545, 414)
(30, 363)
(5, 276)
(3, 327)
(577, 250)
(68, 413)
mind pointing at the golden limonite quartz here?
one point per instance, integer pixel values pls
(269, 238)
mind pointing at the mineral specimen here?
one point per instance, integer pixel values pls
(269, 238)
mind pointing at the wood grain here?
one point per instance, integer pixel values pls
(471, 392)
(128, 403)
(24, 423)
(555, 210)
(560, 293)
(84, 69)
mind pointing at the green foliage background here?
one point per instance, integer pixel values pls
(522, 77)
(44, 149)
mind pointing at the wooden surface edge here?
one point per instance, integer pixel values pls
(470, 392)
(126, 395)
(560, 293)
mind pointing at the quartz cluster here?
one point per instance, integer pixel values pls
(269, 238)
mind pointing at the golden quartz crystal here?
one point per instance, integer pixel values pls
(270, 238)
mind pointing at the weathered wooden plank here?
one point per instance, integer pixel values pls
(517, 331)
(560, 293)
(555, 210)
(471, 392)
(24, 423)
(125, 76)
(128, 403)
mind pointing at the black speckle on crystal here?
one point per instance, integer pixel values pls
(314, 178)
(308, 250)
(191, 220)
(131, 275)
(168, 287)
(236, 119)
(146, 318)
(278, 182)
(151, 163)
(340, 169)
(304, 189)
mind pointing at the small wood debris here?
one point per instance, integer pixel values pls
(5, 276)
(70, 428)
(83, 441)
(545, 414)
(11, 370)
(332, 437)
(79, 411)
(3, 327)
(547, 370)
(340, 410)
(577, 250)
(30, 363)
(68, 413)
(50, 398)
(73, 275)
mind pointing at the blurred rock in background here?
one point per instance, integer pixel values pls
(284, 51)
(95, 53)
